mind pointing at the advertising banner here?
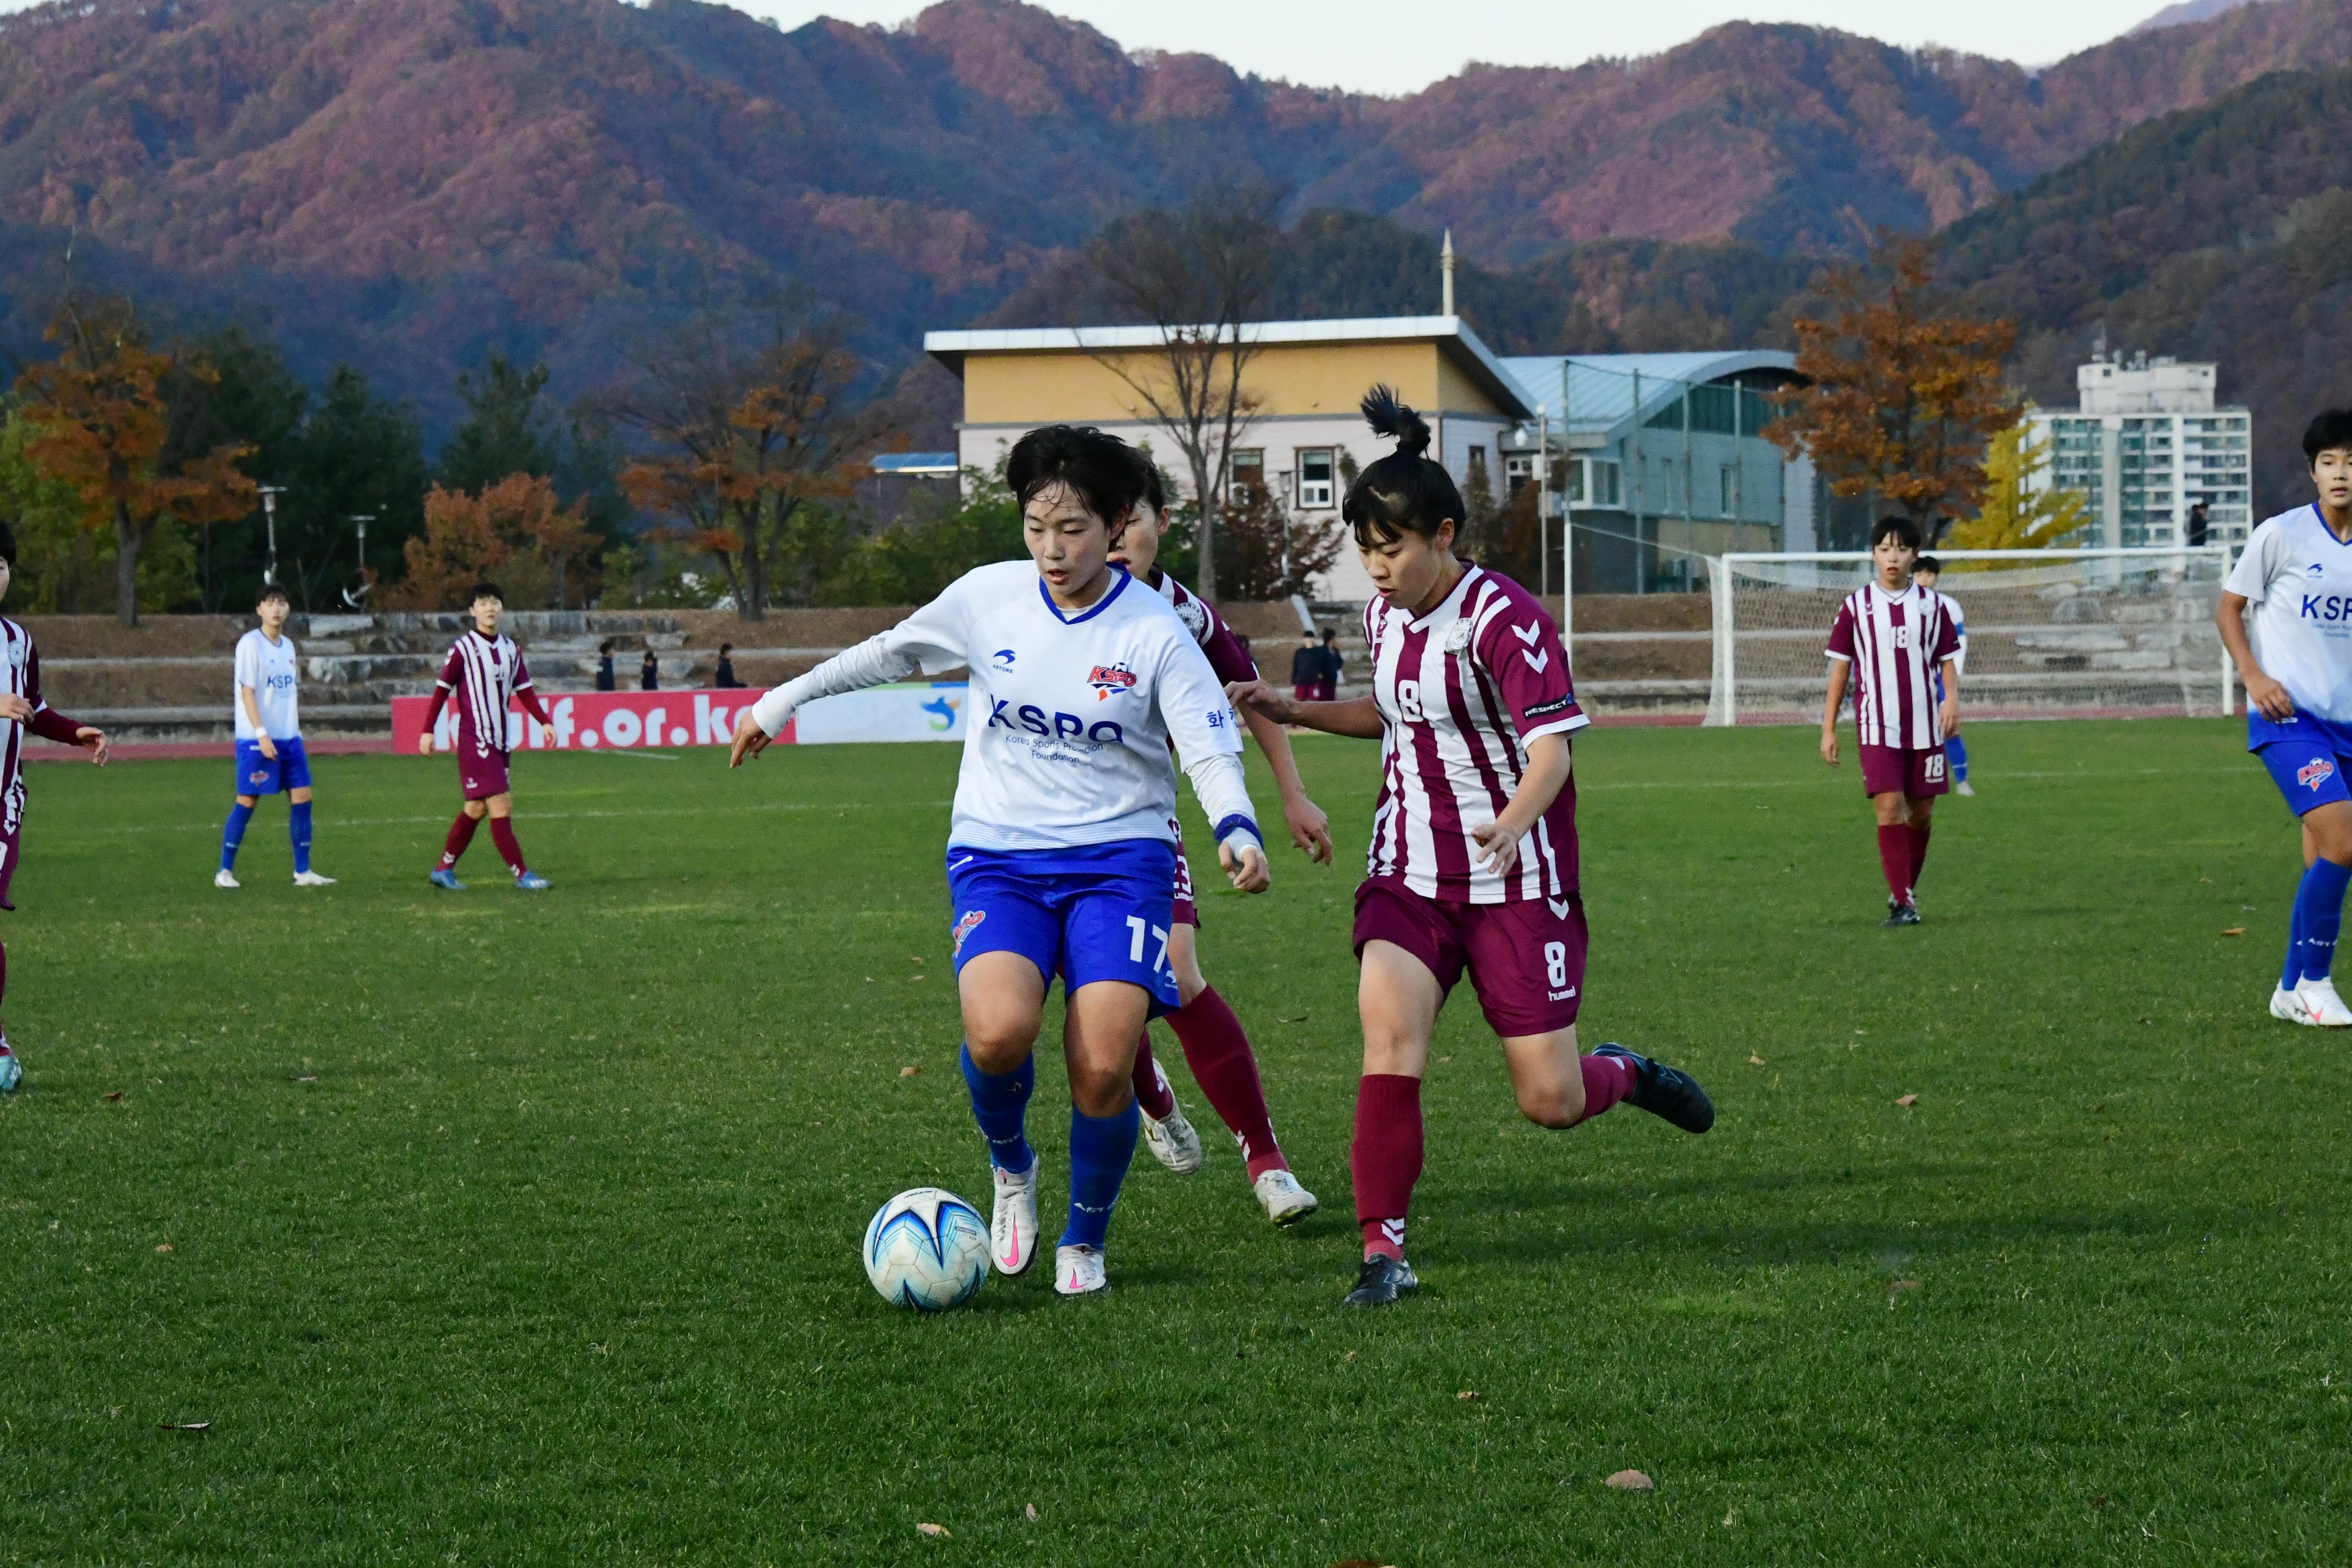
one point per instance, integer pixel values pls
(591, 719)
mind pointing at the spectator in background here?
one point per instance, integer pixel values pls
(1305, 670)
(726, 676)
(2197, 523)
(1326, 684)
(604, 665)
(649, 673)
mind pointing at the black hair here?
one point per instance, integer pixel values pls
(1404, 493)
(1155, 489)
(8, 545)
(1906, 532)
(271, 591)
(487, 591)
(2332, 428)
(725, 648)
(1929, 564)
(604, 646)
(1104, 470)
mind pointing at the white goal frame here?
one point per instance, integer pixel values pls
(1723, 702)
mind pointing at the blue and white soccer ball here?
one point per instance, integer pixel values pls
(927, 1249)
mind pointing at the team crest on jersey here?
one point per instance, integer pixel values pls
(1111, 680)
(1457, 637)
(2314, 772)
(966, 926)
(1195, 616)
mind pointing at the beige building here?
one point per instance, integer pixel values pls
(1305, 379)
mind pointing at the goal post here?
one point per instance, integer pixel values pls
(2053, 634)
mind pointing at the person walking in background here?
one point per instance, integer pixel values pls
(1306, 669)
(604, 665)
(2197, 525)
(1329, 668)
(649, 673)
(726, 675)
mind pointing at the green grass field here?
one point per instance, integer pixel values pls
(506, 1229)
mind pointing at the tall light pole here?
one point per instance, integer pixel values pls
(270, 494)
(361, 519)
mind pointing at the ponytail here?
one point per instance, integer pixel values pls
(1404, 493)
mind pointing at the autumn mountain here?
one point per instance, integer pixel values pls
(408, 183)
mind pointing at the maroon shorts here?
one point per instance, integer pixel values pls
(1323, 692)
(1526, 959)
(1186, 915)
(1917, 773)
(482, 775)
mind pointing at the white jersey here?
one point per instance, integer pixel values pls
(1959, 622)
(1072, 714)
(269, 668)
(2297, 579)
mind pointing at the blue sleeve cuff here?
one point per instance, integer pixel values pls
(1237, 822)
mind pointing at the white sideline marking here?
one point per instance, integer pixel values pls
(208, 827)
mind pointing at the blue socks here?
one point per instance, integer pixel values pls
(297, 828)
(1100, 1148)
(1957, 755)
(233, 836)
(1000, 1102)
(2318, 918)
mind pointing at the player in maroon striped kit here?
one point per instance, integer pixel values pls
(22, 710)
(1891, 635)
(1215, 1046)
(1472, 862)
(484, 670)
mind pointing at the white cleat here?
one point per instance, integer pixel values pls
(224, 879)
(2320, 1001)
(1013, 1233)
(1964, 787)
(1173, 1141)
(2285, 1003)
(1079, 1271)
(1283, 1199)
(312, 879)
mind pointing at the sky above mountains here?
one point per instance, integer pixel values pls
(1402, 46)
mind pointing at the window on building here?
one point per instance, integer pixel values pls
(1730, 489)
(1248, 473)
(1518, 470)
(1314, 477)
(1608, 485)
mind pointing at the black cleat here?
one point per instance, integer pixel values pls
(1382, 1280)
(1901, 915)
(1665, 1091)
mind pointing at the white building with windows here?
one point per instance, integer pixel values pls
(2146, 446)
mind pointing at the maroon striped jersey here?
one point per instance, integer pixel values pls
(1226, 655)
(1894, 642)
(479, 678)
(1462, 691)
(20, 676)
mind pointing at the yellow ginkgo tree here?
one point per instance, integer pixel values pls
(2014, 516)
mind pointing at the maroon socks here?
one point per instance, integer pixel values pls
(1151, 1091)
(1607, 1080)
(461, 833)
(1385, 1159)
(1919, 851)
(1895, 860)
(1218, 1052)
(503, 835)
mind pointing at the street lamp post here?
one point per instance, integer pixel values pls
(270, 494)
(360, 520)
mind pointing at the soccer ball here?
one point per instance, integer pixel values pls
(927, 1249)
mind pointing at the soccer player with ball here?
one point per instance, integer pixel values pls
(1061, 854)
(1473, 861)
(2294, 585)
(1216, 1047)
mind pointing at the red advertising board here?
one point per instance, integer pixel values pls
(589, 720)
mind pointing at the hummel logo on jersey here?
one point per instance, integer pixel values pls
(1110, 680)
(965, 926)
(1538, 662)
(2311, 775)
(1528, 633)
(1560, 908)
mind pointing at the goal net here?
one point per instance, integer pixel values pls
(2053, 634)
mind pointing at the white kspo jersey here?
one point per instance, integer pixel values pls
(1960, 620)
(2297, 579)
(1072, 714)
(269, 668)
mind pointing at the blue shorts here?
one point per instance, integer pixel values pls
(257, 775)
(1102, 911)
(2308, 770)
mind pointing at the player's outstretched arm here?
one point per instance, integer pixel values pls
(1838, 673)
(2264, 695)
(874, 662)
(1359, 716)
(1310, 828)
(1548, 766)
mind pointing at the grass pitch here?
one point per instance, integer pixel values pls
(506, 1229)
